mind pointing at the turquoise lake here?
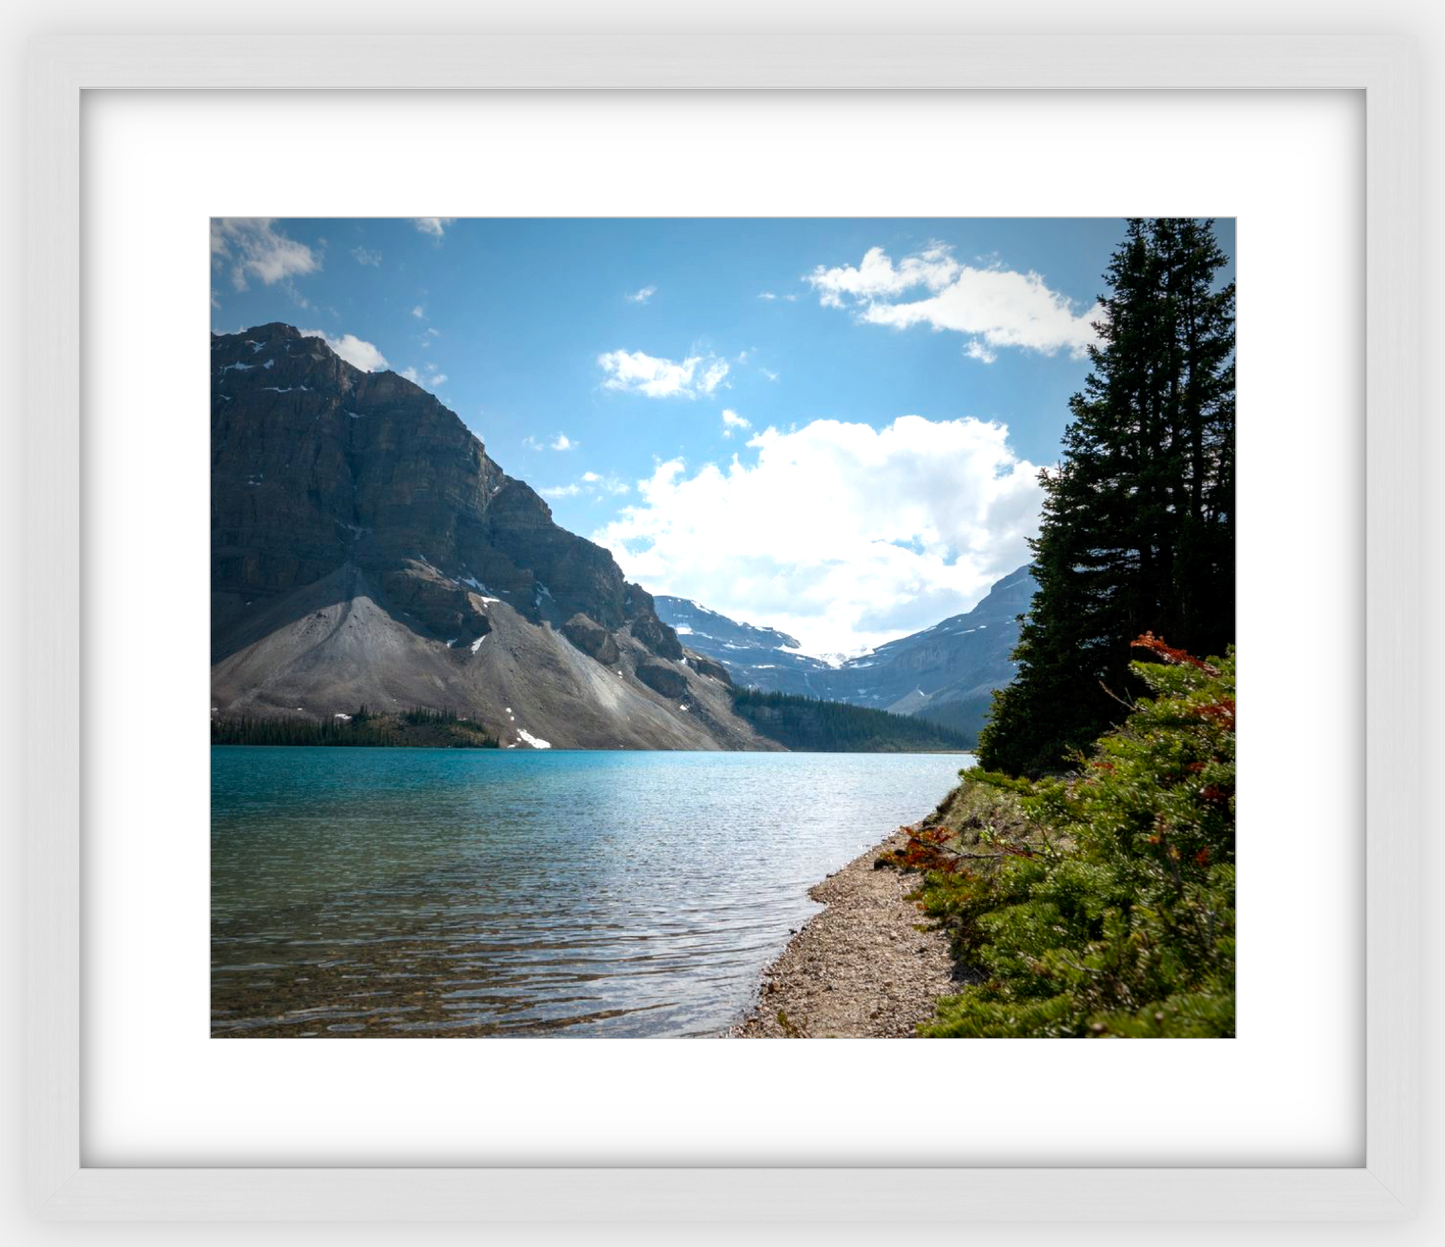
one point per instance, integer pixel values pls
(440, 892)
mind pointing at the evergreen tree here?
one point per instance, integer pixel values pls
(813, 725)
(1137, 533)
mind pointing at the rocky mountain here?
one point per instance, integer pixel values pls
(945, 673)
(365, 549)
(756, 657)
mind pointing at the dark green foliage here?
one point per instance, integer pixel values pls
(420, 716)
(966, 715)
(1113, 913)
(811, 725)
(419, 727)
(1137, 533)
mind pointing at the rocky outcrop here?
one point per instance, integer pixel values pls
(445, 609)
(647, 627)
(662, 677)
(365, 548)
(592, 639)
(708, 667)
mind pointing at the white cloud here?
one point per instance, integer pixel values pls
(597, 483)
(996, 307)
(769, 373)
(559, 442)
(712, 376)
(419, 312)
(352, 349)
(435, 226)
(365, 255)
(429, 378)
(877, 276)
(255, 250)
(641, 296)
(841, 534)
(633, 372)
(732, 422)
(592, 483)
(767, 295)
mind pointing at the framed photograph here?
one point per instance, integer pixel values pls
(765, 559)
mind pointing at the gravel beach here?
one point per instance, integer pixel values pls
(861, 968)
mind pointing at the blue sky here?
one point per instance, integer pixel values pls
(891, 386)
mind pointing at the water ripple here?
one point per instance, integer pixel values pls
(397, 892)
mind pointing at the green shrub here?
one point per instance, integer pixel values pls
(1113, 915)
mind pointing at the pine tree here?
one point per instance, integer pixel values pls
(1137, 533)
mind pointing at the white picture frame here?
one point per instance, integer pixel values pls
(63, 68)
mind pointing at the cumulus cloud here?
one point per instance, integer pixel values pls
(840, 534)
(877, 277)
(633, 372)
(352, 349)
(419, 312)
(641, 296)
(732, 422)
(995, 307)
(435, 226)
(254, 249)
(366, 256)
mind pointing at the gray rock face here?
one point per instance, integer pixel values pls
(756, 657)
(648, 628)
(662, 677)
(365, 548)
(315, 463)
(709, 667)
(591, 638)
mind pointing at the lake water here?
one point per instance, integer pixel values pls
(397, 892)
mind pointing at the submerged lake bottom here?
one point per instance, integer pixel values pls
(438, 892)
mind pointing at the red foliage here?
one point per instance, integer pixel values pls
(1221, 712)
(929, 848)
(1156, 645)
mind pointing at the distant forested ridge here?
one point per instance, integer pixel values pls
(811, 725)
(419, 728)
(1137, 534)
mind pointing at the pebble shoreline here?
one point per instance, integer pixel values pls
(860, 969)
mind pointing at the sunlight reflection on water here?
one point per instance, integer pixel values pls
(394, 892)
